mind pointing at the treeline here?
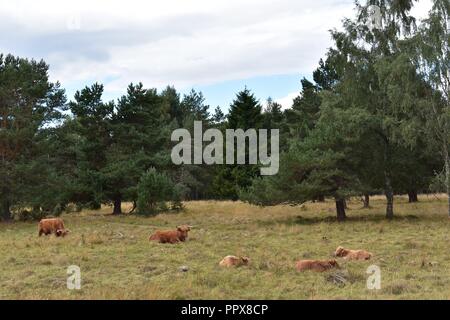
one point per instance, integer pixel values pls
(375, 119)
(60, 156)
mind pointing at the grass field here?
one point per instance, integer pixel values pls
(118, 262)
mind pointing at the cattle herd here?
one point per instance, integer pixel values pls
(56, 226)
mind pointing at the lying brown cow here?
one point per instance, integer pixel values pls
(55, 225)
(352, 254)
(233, 261)
(171, 236)
(316, 265)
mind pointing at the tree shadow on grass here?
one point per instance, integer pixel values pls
(302, 220)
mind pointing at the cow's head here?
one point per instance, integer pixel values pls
(367, 255)
(183, 230)
(245, 260)
(333, 263)
(62, 232)
(340, 251)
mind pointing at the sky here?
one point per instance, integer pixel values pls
(215, 46)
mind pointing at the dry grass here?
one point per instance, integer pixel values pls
(118, 262)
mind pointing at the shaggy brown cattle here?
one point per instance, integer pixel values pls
(171, 236)
(233, 261)
(55, 225)
(352, 254)
(316, 265)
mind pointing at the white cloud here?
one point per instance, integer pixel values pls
(177, 42)
(286, 102)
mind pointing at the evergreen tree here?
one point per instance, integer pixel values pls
(304, 113)
(365, 57)
(94, 130)
(154, 190)
(218, 116)
(319, 165)
(172, 105)
(193, 105)
(140, 140)
(245, 113)
(28, 102)
(275, 118)
(194, 180)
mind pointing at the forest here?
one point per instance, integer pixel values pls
(372, 119)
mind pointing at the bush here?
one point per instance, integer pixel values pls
(179, 192)
(154, 191)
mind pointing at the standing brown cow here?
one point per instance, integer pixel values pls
(171, 236)
(54, 225)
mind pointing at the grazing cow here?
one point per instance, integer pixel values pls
(316, 265)
(352, 254)
(55, 225)
(171, 236)
(233, 261)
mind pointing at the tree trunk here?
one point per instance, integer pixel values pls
(5, 213)
(117, 206)
(389, 199)
(366, 201)
(447, 177)
(412, 196)
(340, 209)
(321, 198)
(388, 190)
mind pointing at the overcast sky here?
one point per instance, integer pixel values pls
(216, 46)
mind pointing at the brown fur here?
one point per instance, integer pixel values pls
(316, 265)
(171, 236)
(233, 261)
(352, 254)
(55, 226)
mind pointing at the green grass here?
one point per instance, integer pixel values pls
(118, 262)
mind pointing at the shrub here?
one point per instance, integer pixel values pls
(154, 191)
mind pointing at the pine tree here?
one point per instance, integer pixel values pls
(313, 167)
(218, 116)
(140, 140)
(194, 180)
(245, 113)
(28, 101)
(92, 125)
(304, 113)
(172, 105)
